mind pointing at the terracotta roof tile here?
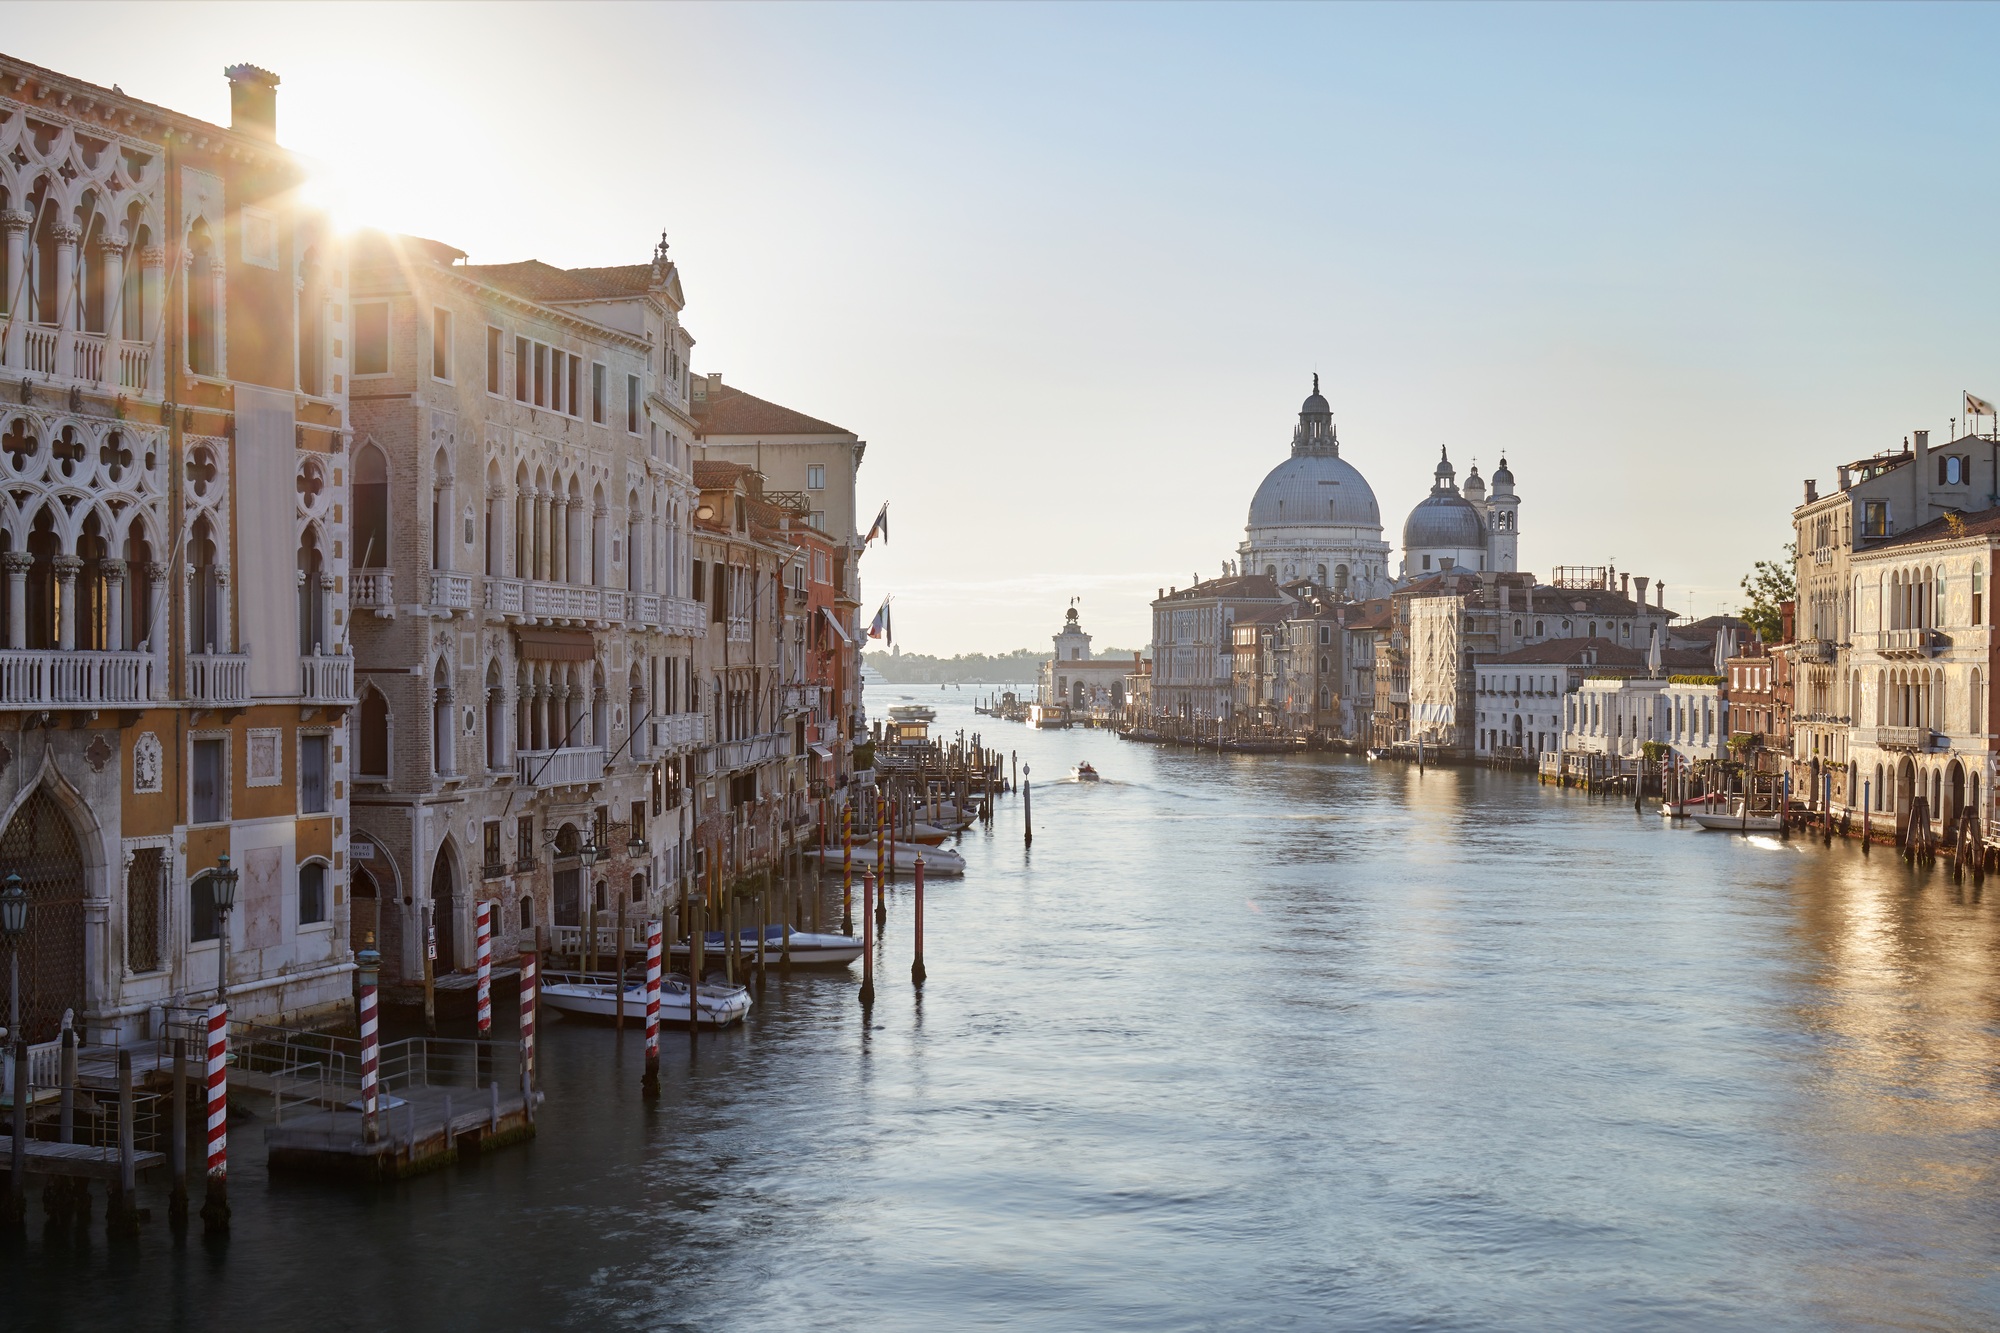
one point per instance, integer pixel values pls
(545, 282)
(722, 410)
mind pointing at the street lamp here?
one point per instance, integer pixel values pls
(13, 922)
(222, 893)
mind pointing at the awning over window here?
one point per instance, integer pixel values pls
(821, 752)
(557, 645)
(834, 621)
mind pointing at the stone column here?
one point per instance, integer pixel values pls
(559, 520)
(541, 570)
(224, 621)
(323, 615)
(153, 328)
(14, 228)
(156, 609)
(17, 563)
(114, 603)
(67, 311)
(67, 568)
(112, 256)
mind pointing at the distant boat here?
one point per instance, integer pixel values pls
(1738, 820)
(597, 1001)
(808, 949)
(1083, 772)
(1713, 803)
(1377, 752)
(939, 862)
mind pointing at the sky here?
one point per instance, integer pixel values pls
(1069, 269)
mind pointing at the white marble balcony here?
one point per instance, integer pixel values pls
(33, 678)
(679, 731)
(327, 680)
(219, 680)
(571, 766)
(450, 592)
(373, 590)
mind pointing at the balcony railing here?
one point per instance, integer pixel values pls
(452, 592)
(1816, 650)
(753, 750)
(1912, 643)
(87, 357)
(568, 767)
(537, 599)
(801, 698)
(372, 590)
(135, 363)
(327, 680)
(679, 731)
(218, 679)
(37, 679)
(39, 351)
(1905, 738)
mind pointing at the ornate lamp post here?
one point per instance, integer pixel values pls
(222, 886)
(586, 857)
(13, 924)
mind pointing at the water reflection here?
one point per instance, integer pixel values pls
(1246, 1041)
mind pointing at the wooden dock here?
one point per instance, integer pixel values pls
(78, 1161)
(438, 1097)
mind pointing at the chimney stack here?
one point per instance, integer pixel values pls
(1812, 489)
(1642, 581)
(1663, 595)
(1625, 585)
(253, 101)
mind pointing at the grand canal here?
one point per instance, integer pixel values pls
(1244, 1042)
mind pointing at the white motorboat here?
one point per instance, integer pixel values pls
(597, 1001)
(1377, 752)
(1738, 820)
(939, 862)
(1083, 772)
(808, 949)
(1713, 803)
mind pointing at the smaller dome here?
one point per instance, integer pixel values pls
(1501, 473)
(1315, 405)
(1444, 519)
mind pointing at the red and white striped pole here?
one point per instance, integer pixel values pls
(485, 928)
(215, 1207)
(528, 1028)
(651, 1083)
(371, 1046)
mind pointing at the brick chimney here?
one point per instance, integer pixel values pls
(1625, 585)
(1812, 489)
(253, 101)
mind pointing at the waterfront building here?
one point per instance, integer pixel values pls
(752, 783)
(1875, 499)
(1194, 649)
(1919, 675)
(1518, 696)
(1087, 689)
(520, 560)
(810, 466)
(1453, 621)
(174, 674)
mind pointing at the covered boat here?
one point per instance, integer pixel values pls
(1739, 818)
(808, 949)
(597, 1001)
(938, 861)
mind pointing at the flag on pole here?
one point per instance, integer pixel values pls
(879, 627)
(1976, 406)
(880, 525)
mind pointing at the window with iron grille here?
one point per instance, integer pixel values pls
(145, 908)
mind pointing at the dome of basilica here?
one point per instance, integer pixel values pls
(1444, 518)
(1315, 490)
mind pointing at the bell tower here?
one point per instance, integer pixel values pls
(1503, 521)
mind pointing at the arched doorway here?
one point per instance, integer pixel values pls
(568, 889)
(1954, 797)
(40, 846)
(444, 895)
(1906, 792)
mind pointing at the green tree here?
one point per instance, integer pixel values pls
(1766, 586)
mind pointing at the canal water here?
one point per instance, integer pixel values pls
(1243, 1042)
